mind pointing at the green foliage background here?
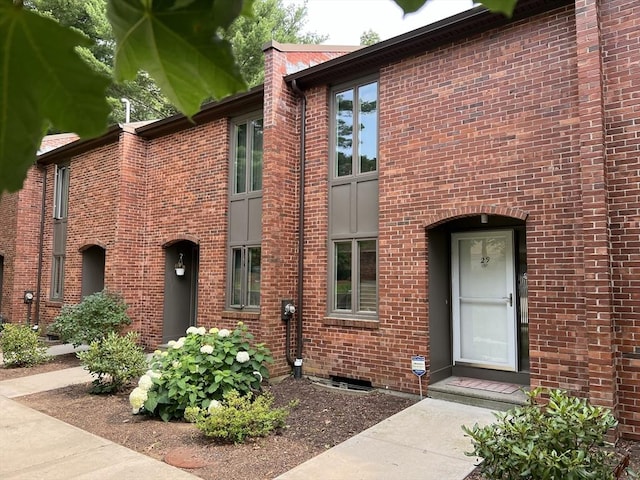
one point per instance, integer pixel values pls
(52, 77)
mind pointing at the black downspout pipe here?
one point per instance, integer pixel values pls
(287, 349)
(40, 244)
(297, 367)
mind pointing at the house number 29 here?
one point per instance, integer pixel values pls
(484, 261)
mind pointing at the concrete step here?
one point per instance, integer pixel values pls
(451, 390)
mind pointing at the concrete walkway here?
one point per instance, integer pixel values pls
(422, 442)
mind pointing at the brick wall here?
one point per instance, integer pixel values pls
(19, 234)
(186, 198)
(535, 121)
(490, 123)
(93, 202)
(8, 220)
(621, 60)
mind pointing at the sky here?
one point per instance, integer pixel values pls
(345, 20)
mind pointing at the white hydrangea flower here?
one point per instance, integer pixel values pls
(206, 349)
(171, 343)
(165, 353)
(179, 343)
(176, 364)
(213, 330)
(192, 330)
(201, 331)
(242, 357)
(137, 397)
(224, 333)
(153, 374)
(213, 406)
(145, 382)
(157, 352)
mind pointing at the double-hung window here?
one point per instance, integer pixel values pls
(353, 217)
(60, 211)
(245, 213)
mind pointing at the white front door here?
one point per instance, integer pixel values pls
(483, 296)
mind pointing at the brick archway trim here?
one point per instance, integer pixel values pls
(181, 238)
(92, 243)
(473, 210)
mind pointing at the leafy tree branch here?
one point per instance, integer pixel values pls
(47, 78)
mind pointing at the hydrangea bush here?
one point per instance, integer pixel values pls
(201, 368)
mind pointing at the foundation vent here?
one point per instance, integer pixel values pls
(351, 383)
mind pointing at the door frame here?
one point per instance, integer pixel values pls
(509, 298)
(180, 303)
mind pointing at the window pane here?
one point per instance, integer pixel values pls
(236, 277)
(342, 276)
(240, 164)
(57, 277)
(256, 156)
(344, 133)
(253, 277)
(62, 192)
(368, 121)
(367, 287)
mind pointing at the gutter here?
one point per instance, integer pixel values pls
(297, 367)
(416, 42)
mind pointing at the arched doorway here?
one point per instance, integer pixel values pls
(180, 289)
(93, 261)
(478, 322)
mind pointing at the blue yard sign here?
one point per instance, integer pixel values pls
(418, 365)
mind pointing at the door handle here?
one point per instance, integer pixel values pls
(509, 299)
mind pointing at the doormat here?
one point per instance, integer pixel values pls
(487, 385)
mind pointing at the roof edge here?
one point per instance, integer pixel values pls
(231, 105)
(450, 29)
(81, 145)
(309, 47)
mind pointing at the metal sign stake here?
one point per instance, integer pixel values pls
(418, 366)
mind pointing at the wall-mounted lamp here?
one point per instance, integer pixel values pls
(484, 218)
(180, 266)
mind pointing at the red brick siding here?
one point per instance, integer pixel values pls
(491, 122)
(279, 204)
(536, 121)
(8, 228)
(621, 60)
(187, 198)
(93, 190)
(19, 233)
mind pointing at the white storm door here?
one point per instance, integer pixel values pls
(483, 299)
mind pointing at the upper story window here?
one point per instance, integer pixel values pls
(245, 214)
(247, 162)
(61, 192)
(353, 202)
(60, 212)
(356, 127)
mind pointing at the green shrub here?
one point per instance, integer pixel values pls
(563, 439)
(238, 417)
(115, 360)
(92, 319)
(200, 368)
(21, 346)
